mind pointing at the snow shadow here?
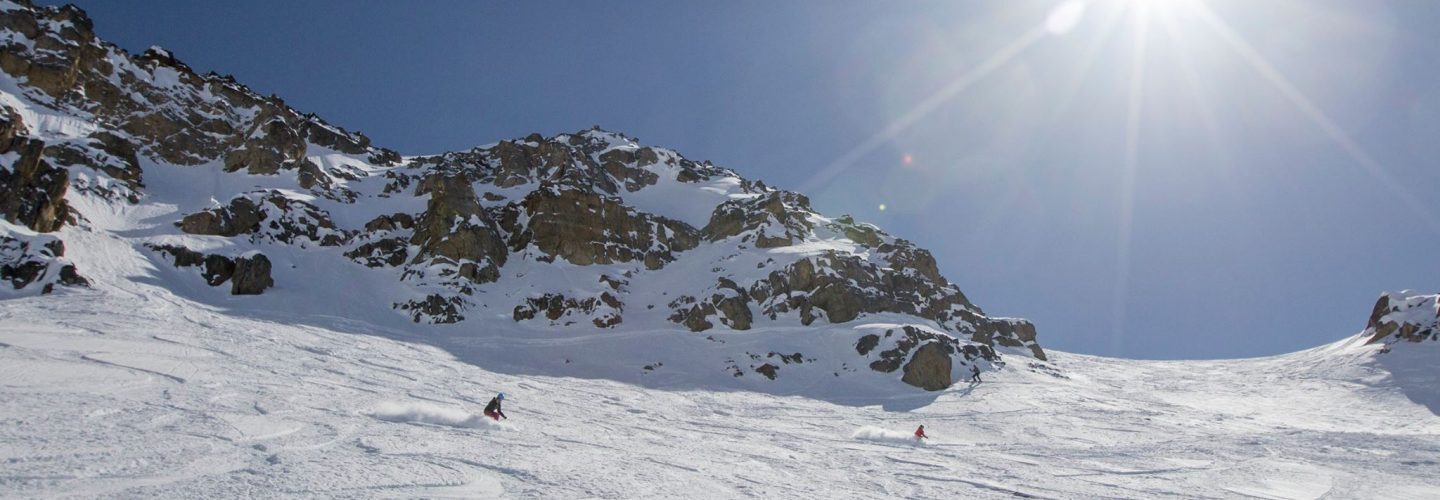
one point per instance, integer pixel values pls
(1412, 367)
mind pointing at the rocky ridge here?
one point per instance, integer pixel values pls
(582, 230)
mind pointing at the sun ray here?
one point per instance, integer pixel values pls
(1141, 16)
(1260, 64)
(1087, 60)
(920, 111)
(1208, 120)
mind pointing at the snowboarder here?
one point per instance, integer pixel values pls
(920, 433)
(492, 410)
(975, 374)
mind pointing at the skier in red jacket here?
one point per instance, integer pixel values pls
(920, 433)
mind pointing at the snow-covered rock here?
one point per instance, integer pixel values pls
(538, 235)
(1404, 317)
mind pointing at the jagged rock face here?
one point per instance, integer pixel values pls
(1009, 332)
(32, 192)
(159, 106)
(587, 228)
(456, 231)
(270, 146)
(35, 262)
(252, 275)
(1404, 317)
(776, 219)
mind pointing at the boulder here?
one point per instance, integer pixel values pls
(929, 368)
(252, 274)
(242, 215)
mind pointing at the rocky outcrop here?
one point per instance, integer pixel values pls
(248, 274)
(36, 263)
(574, 201)
(32, 192)
(1404, 317)
(931, 355)
(252, 274)
(157, 106)
(774, 219)
(435, 309)
(267, 216)
(456, 232)
(241, 216)
(1008, 332)
(587, 228)
(603, 311)
(215, 268)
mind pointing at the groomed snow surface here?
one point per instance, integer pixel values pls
(141, 393)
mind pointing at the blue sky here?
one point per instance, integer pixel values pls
(1149, 179)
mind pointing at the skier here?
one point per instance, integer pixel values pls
(492, 410)
(920, 433)
(975, 374)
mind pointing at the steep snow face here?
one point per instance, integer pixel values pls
(142, 393)
(149, 173)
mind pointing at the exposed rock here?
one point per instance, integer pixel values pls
(768, 370)
(929, 368)
(587, 228)
(864, 234)
(1404, 317)
(687, 311)
(385, 252)
(906, 339)
(1009, 332)
(390, 223)
(455, 230)
(216, 269)
(252, 275)
(435, 309)
(604, 311)
(867, 344)
(775, 219)
(267, 215)
(36, 262)
(241, 216)
(32, 192)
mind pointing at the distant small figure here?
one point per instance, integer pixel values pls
(492, 410)
(920, 433)
(975, 374)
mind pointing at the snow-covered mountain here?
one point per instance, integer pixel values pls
(206, 293)
(119, 168)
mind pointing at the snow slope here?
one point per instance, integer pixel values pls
(142, 393)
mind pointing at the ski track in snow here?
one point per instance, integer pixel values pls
(145, 394)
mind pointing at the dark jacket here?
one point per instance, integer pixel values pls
(494, 406)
